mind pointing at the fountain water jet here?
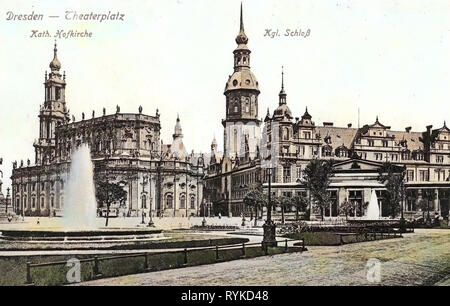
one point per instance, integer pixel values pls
(373, 211)
(80, 209)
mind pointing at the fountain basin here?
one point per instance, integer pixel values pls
(52, 234)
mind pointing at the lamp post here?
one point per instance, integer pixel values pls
(403, 193)
(150, 221)
(269, 226)
(204, 214)
(144, 182)
(243, 215)
(7, 200)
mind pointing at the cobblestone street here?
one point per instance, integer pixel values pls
(422, 258)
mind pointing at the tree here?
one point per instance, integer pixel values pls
(428, 196)
(346, 207)
(255, 198)
(108, 193)
(393, 178)
(300, 204)
(283, 202)
(317, 178)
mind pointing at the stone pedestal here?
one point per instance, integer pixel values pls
(269, 239)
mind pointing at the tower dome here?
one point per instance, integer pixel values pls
(55, 64)
(282, 110)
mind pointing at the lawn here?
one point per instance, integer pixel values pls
(14, 268)
(329, 238)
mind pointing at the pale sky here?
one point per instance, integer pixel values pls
(389, 58)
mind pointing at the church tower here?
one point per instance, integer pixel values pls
(242, 127)
(52, 113)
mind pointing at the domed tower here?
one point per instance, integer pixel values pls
(241, 92)
(177, 149)
(282, 112)
(52, 113)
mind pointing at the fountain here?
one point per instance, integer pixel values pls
(373, 211)
(78, 224)
(80, 209)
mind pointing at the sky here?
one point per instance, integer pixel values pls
(387, 58)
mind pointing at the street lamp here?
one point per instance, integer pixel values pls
(7, 200)
(204, 214)
(402, 219)
(150, 221)
(144, 182)
(269, 226)
(243, 215)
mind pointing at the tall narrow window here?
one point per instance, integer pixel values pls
(144, 201)
(169, 201)
(182, 201)
(48, 129)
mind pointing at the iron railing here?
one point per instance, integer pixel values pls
(96, 259)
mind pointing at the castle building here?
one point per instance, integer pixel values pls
(162, 179)
(294, 142)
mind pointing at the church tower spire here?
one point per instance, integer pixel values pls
(55, 65)
(282, 95)
(241, 91)
(52, 113)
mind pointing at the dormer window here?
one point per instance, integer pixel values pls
(326, 151)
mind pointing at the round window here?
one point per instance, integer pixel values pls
(247, 82)
(235, 83)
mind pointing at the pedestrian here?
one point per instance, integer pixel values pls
(38, 222)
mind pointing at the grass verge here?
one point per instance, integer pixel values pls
(14, 269)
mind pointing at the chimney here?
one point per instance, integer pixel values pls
(328, 124)
(349, 125)
(408, 129)
(429, 127)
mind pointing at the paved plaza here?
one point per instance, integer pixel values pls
(421, 258)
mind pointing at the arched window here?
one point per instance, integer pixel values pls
(33, 203)
(169, 201)
(42, 202)
(286, 133)
(182, 201)
(144, 201)
(24, 202)
(192, 202)
(52, 201)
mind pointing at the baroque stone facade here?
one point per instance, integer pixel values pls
(162, 179)
(294, 141)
